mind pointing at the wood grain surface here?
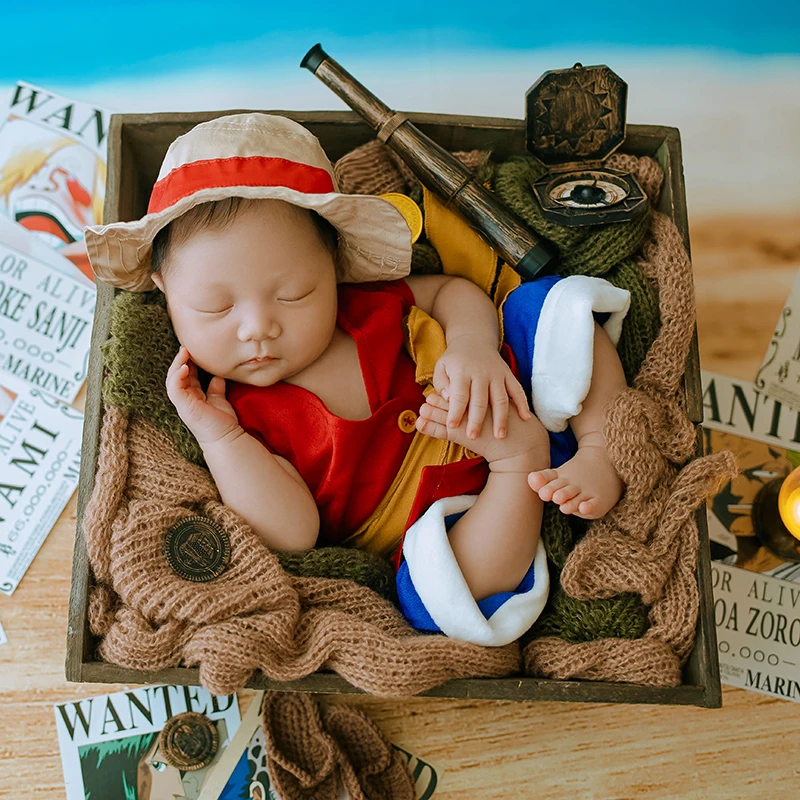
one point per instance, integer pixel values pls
(489, 749)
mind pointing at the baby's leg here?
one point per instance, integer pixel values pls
(588, 485)
(495, 541)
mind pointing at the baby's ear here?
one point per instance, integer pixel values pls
(158, 280)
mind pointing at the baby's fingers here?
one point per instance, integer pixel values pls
(182, 382)
(216, 388)
(518, 397)
(458, 396)
(177, 368)
(478, 406)
(179, 371)
(437, 401)
(499, 401)
(181, 357)
(441, 380)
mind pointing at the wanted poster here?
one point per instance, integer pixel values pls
(756, 593)
(53, 168)
(40, 452)
(111, 747)
(758, 631)
(45, 320)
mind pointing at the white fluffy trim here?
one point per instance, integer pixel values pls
(440, 585)
(563, 350)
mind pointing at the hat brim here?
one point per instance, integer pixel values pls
(374, 237)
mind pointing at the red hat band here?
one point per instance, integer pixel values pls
(237, 171)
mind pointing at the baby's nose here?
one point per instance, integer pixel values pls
(258, 328)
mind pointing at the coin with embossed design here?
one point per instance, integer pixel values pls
(197, 549)
(189, 741)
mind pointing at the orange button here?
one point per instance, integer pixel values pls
(407, 422)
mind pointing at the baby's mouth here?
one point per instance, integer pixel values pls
(260, 360)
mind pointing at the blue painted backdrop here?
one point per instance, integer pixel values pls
(705, 67)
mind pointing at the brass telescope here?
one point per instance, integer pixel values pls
(439, 171)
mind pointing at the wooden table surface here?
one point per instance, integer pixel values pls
(744, 268)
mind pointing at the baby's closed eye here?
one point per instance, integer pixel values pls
(213, 310)
(296, 298)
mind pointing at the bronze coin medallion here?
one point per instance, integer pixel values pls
(197, 549)
(189, 741)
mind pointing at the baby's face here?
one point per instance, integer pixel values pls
(256, 302)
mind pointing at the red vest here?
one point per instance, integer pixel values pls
(347, 464)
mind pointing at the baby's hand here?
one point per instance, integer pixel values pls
(210, 416)
(472, 375)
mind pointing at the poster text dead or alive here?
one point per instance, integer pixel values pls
(45, 325)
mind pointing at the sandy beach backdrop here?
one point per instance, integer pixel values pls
(744, 266)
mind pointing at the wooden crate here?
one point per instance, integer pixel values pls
(137, 145)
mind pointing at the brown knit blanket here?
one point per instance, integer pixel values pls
(257, 616)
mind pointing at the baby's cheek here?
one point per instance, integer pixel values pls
(209, 346)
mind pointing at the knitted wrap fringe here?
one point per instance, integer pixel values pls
(648, 542)
(255, 615)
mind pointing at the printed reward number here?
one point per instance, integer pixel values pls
(33, 350)
(745, 652)
(19, 527)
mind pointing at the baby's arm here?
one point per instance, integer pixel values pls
(266, 490)
(471, 375)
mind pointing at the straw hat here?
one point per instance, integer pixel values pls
(255, 156)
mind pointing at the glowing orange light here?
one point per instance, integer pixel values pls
(789, 503)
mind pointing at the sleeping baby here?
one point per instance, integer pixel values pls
(353, 404)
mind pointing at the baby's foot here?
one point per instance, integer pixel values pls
(526, 441)
(587, 485)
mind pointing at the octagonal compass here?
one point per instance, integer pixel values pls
(575, 119)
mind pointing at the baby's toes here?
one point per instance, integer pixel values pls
(548, 490)
(566, 493)
(589, 508)
(573, 506)
(536, 480)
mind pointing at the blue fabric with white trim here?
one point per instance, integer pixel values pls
(520, 319)
(416, 613)
(521, 313)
